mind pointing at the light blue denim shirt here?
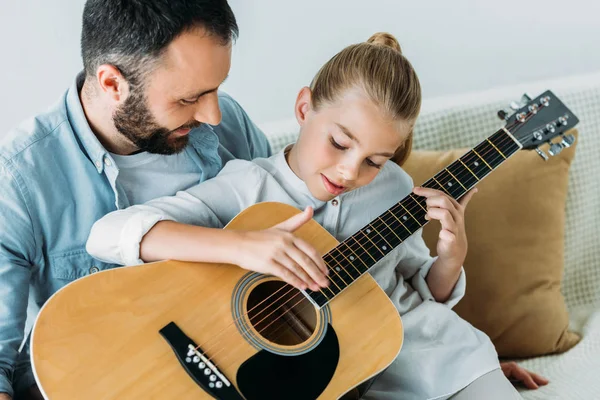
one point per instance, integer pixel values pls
(55, 182)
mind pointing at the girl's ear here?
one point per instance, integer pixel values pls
(303, 105)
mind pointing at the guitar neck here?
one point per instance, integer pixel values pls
(357, 254)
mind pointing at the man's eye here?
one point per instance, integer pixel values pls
(336, 144)
(372, 164)
(188, 102)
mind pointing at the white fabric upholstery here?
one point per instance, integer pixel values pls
(463, 121)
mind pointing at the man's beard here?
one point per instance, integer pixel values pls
(134, 120)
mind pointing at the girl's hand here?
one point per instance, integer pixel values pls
(517, 374)
(452, 243)
(276, 251)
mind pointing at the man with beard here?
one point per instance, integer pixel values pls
(144, 119)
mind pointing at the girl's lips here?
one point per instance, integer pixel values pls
(331, 187)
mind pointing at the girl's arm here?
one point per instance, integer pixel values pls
(162, 229)
(452, 244)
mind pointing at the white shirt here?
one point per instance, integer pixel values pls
(441, 354)
(140, 184)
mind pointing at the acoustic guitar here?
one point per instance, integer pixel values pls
(179, 330)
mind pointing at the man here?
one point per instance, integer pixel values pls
(145, 119)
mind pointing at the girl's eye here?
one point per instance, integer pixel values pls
(372, 164)
(336, 144)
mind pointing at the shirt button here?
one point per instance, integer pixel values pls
(98, 164)
(107, 162)
(334, 202)
(94, 269)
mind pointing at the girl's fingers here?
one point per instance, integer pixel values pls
(287, 275)
(300, 271)
(308, 268)
(311, 252)
(444, 216)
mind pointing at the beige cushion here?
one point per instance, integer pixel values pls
(515, 227)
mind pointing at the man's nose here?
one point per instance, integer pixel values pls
(208, 110)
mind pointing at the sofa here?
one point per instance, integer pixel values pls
(462, 121)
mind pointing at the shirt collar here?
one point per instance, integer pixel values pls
(80, 124)
(292, 179)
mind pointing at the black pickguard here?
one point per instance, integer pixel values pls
(267, 376)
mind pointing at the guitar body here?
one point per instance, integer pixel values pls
(120, 333)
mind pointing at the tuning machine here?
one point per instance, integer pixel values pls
(503, 115)
(567, 140)
(541, 153)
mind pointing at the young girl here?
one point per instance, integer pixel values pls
(356, 124)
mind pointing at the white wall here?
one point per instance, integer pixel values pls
(456, 46)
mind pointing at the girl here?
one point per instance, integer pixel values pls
(356, 123)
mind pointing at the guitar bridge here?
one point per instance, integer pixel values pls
(198, 365)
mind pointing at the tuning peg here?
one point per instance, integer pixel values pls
(526, 98)
(514, 105)
(567, 140)
(503, 115)
(555, 148)
(541, 153)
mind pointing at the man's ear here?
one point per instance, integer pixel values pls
(111, 82)
(303, 105)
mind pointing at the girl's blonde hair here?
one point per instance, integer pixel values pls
(386, 76)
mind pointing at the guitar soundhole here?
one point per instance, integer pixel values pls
(280, 313)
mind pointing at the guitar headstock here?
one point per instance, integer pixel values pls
(534, 122)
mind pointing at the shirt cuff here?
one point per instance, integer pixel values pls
(132, 234)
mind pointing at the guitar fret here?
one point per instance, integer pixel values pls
(409, 213)
(348, 260)
(472, 173)
(497, 149)
(369, 239)
(390, 229)
(482, 159)
(456, 179)
(441, 186)
(401, 223)
(369, 254)
(352, 275)
(355, 255)
(416, 201)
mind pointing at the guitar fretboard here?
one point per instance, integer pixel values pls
(357, 254)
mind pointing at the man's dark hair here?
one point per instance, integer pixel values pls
(132, 34)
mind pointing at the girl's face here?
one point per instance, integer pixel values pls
(342, 146)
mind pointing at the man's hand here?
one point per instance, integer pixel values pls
(5, 396)
(515, 373)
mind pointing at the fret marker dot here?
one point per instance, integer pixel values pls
(449, 183)
(338, 269)
(476, 164)
(352, 258)
(404, 217)
(368, 230)
(384, 247)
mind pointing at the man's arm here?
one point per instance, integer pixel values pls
(16, 246)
